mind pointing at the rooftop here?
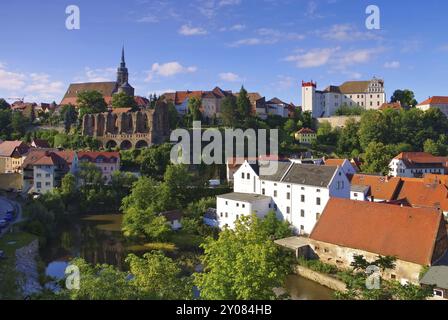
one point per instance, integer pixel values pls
(244, 197)
(388, 230)
(436, 276)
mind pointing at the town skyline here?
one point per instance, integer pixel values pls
(172, 46)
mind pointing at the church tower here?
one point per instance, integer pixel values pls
(123, 77)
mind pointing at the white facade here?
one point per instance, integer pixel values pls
(235, 205)
(368, 95)
(398, 168)
(44, 178)
(301, 204)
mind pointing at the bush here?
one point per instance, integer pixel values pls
(318, 266)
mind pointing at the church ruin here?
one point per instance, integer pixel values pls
(127, 130)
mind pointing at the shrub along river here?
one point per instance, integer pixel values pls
(98, 240)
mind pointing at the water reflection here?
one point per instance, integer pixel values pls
(97, 239)
(303, 289)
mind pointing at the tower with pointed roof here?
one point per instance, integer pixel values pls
(123, 77)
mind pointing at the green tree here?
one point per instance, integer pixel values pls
(194, 109)
(405, 97)
(243, 105)
(154, 160)
(90, 102)
(348, 141)
(18, 125)
(275, 228)
(69, 115)
(377, 158)
(242, 264)
(122, 100)
(228, 112)
(290, 126)
(4, 105)
(159, 277)
(173, 116)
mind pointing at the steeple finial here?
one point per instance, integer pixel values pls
(122, 55)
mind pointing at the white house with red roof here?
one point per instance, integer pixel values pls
(107, 162)
(417, 164)
(436, 102)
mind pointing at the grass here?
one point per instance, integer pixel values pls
(185, 241)
(162, 246)
(9, 243)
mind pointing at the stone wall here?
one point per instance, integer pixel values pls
(338, 122)
(26, 266)
(128, 129)
(323, 279)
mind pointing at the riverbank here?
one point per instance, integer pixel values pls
(320, 278)
(11, 243)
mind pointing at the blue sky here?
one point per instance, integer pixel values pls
(269, 46)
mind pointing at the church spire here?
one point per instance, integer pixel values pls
(123, 62)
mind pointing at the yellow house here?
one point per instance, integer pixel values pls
(306, 136)
(12, 155)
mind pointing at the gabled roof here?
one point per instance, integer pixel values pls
(434, 100)
(382, 188)
(310, 175)
(40, 143)
(421, 159)
(172, 216)
(354, 87)
(9, 148)
(388, 230)
(420, 194)
(105, 88)
(45, 158)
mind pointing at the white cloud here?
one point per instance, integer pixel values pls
(250, 42)
(392, 65)
(97, 75)
(188, 30)
(334, 57)
(148, 19)
(267, 36)
(223, 3)
(346, 32)
(313, 58)
(169, 69)
(284, 82)
(235, 27)
(36, 87)
(230, 77)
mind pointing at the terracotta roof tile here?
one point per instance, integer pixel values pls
(388, 230)
(435, 100)
(382, 188)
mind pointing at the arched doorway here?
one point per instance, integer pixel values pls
(126, 145)
(111, 144)
(141, 144)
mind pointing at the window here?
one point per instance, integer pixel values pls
(47, 184)
(227, 214)
(318, 201)
(288, 210)
(302, 228)
(275, 193)
(237, 204)
(393, 276)
(243, 205)
(438, 293)
(302, 213)
(242, 175)
(263, 191)
(227, 203)
(237, 217)
(38, 175)
(47, 175)
(318, 190)
(302, 198)
(39, 185)
(288, 196)
(221, 214)
(317, 216)
(248, 176)
(303, 188)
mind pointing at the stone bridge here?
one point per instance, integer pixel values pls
(127, 130)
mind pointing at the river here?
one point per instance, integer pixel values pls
(98, 239)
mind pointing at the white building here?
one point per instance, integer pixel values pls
(107, 162)
(416, 165)
(436, 102)
(277, 107)
(43, 170)
(345, 164)
(365, 94)
(298, 193)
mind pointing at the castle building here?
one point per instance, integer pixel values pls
(107, 89)
(365, 94)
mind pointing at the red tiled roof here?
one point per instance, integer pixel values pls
(421, 158)
(382, 188)
(435, 100)
(93, 155)
(420, 194)
(388, 230)
(392, 105)
(306, 130)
